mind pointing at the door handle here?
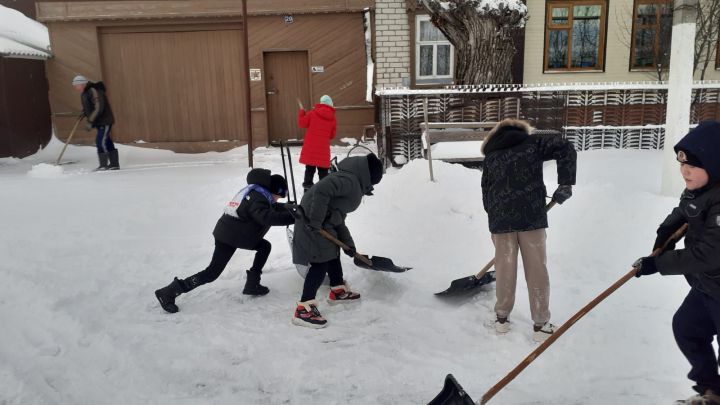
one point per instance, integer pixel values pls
(271, 92)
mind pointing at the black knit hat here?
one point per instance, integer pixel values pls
(278, 185)
(376, 168)
(701, 148)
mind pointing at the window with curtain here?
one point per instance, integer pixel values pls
(652, 32)
(434, 55)
(575, 35)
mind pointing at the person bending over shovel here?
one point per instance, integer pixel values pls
(514, 198)
(325, 206)
(697, 321)
(243, 225)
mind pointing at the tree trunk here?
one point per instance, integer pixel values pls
(483, 42)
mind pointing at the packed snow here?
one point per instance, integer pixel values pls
(82, 253)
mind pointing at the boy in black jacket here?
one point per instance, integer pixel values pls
(697, 321)
(246, 220)
(514, 199)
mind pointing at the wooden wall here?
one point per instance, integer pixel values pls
(332, 39)
(25, 123)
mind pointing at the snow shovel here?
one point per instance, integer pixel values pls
(62, 152)
(454, 392)
(377, 263)
(467, 285)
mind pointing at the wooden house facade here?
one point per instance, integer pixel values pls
(174, 69)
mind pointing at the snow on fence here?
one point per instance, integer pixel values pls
(591, 115)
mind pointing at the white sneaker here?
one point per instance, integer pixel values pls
(542, 332)
(502, 325)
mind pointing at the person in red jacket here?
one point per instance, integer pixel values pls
(321, 126)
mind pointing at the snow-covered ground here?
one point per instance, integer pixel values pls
(81, 254)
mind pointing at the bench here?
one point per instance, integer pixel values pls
(466, 139)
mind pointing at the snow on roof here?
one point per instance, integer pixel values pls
(22, 36)
(13, 49)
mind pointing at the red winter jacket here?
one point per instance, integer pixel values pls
(321, 125)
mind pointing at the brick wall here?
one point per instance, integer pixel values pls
(392, 43)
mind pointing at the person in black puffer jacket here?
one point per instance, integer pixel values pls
(246, 220)
(99, 115)
(514, 198)
(697, 322)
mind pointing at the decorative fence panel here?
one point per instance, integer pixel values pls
(592, 116)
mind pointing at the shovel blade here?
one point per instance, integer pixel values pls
(381, 264)
(452, 394)
(467, 285)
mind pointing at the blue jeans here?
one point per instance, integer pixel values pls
(695, 325)
(103, 142)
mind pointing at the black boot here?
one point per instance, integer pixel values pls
(167, 295)
(252, 284)
(114, 160)
(103, 159)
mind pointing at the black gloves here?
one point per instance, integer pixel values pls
(645, 266)
(562, 193)
(296, 211)
(350, 251)
(663, 234)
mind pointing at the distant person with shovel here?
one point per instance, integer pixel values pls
(321, 128)
(697, 322)
(324, 207)
(99, 115)
(514, 198)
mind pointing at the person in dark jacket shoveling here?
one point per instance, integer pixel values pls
(513, 194)
(697, 322)
(325, 206)
(246, 220)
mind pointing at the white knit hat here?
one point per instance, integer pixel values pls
(79, 79)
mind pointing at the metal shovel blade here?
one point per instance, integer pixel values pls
(381, 264)
(467, 285)
(452, 394)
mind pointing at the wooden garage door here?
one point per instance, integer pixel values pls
(178, 86)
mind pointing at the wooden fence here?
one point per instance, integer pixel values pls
(592, 116)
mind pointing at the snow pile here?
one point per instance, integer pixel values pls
(45, 171)
(81, 258)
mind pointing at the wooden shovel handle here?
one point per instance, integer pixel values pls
(62, 152)
(570, 322)
(342, 245)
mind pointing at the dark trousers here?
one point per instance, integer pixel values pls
(103, 141)
(695, 325)
(316, 276)
(220, 258)
(310, 173)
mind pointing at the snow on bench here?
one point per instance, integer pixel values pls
(453, 141)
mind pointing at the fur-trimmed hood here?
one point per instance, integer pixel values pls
(506, 134)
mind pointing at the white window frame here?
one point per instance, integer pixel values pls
(434, 77)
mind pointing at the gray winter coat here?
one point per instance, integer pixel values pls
(699, 261)
(326, 205)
